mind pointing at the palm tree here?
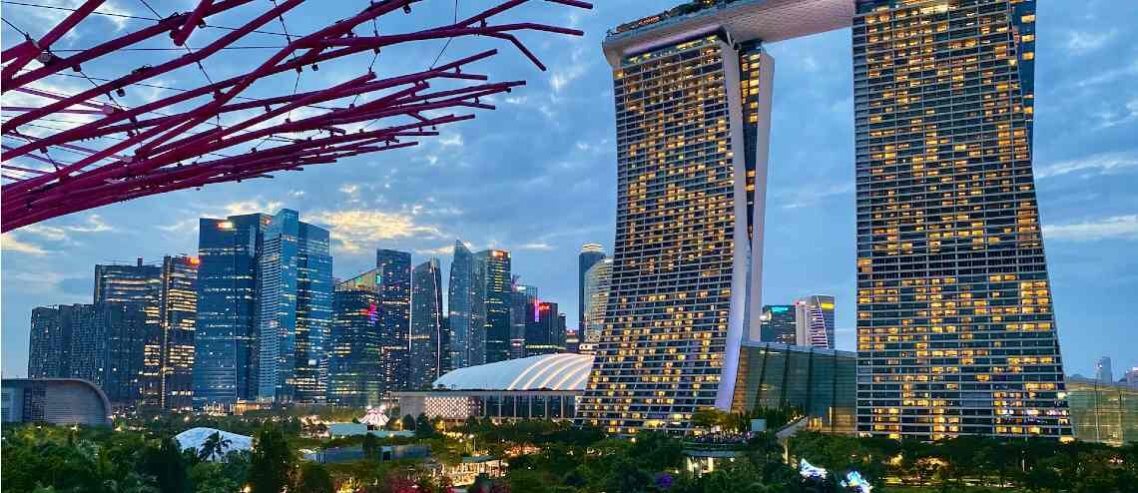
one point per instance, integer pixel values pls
(214, 445)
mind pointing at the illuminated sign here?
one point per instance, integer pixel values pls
(373, 313)
(810, 472)
(780, 309)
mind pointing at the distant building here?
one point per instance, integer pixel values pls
(591, 253)
(778, 324)
(225, 369)
(394, 268)
(354, 346)
(545, 329)
(1104, 373)
(427, 350)
(1131, 377)
(521, 300)
(294, 295)
(102, 343)
(572, 341)
(1103, 412)
(140, 284)
(57, 401)
(467, 309)
(498, 288)
(598, 280)
(814, 321)
(177, 318)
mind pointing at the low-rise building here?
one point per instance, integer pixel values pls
(58, 401)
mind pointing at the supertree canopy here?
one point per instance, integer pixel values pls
(68, 151)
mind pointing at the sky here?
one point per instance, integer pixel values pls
(537, 176)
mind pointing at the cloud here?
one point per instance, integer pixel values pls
(539, 246)
(251, 206)
(451, 140)
(1111, 228)
(1114, 118)
(357, 229)
(811, 196)
(1096, 164)
(1079, 42)
(93, 224)
(10, 243)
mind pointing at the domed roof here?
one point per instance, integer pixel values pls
(563, 371)
(194, 438)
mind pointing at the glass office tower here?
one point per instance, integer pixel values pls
(177, 314)
(956, 332)
(814, 320)
(394, 280)
(598, 280)
(466, 305)
(590, 254)
(139, 284)
(498, 289)
(779, 324)
(692, 125)
(353, 349)
(426, 324)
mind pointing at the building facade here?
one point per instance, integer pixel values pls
(778, 323)
(1103, 412)
(598, 280)
(354, 347)
(57, 401)
(819, 382)
(466, 307)
(177, 318)
(521, 301)
(394, 268)
(1104, 372)
(590, 254)
(140, 284)
(498, 291)
(545, 329)
(427, 339)
(814, 321)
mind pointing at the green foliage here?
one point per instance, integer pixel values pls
(272, 462)
(314, 478)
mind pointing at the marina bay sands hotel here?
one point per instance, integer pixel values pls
(955, 326)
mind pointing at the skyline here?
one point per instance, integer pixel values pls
(1082, 191)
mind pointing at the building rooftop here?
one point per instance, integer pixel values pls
(564, 371)
(744, 20)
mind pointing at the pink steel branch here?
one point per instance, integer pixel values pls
(139, 154)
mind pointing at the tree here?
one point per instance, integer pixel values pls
(214, 446)
(371, 446)
(314, 478)
(423, 427)
(408, 423)
(167, 466)
(272, 462)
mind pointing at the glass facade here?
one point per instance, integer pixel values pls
(598, 281)
(394, 280)
(814, 319)
(545, 329)
(819, 382)
(956, 332)
(140, 284)
(521, 302)
(177, 314)
(498, 288)
(354, 346)
(1103, 413)
(777, 324)
(591, 253)
(466, 305)
(427, 348)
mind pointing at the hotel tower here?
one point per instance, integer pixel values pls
(956, 333)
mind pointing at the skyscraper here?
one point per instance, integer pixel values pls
(103, 343)
(1131, 377)
(521, 300)
(956, 332)
(814, 321)
(779, 324)
(294, 296)
(427, 339)
(177, 314)
(394, 269)
(354, 346)
(139, 284)
(545, 329)
(225, 364)
(598, 280)
(467, 309)
(496, 266)
(591, 253)
(1104, 373)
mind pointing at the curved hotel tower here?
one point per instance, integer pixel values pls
(955, 326)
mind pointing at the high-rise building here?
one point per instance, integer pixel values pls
(103, 343)
(498, 288)
(394, 268)
(956, 331)
(225, 363)
(598, 280)
(1131, 377)
(294, 296)
(779, 324)
(466, 300)
(139, 284)
(545, 329)
(814, 321)
(354, 345)
(591, 253)
(427, 351)
(572, 341)
(521, 301)
(1104, 373)
(177, 314)
(956, 334)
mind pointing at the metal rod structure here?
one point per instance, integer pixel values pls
(118, 153)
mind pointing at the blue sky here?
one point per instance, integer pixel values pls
(537, 176)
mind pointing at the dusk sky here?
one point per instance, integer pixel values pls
(537, 176)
